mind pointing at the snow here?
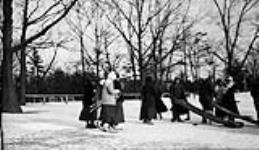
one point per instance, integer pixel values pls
(56, 126)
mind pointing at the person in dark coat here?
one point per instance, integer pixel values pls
(177, 92)
(206, 93)
(86, 115)
(229, 101)
(219, 91)
(148, 106)
(119, 115)
(160, 106)
(255, 95)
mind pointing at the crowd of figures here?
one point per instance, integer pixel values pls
(108, 96)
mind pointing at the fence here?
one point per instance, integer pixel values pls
(67, 97)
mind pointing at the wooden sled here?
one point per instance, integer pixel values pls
(95, 106)
(227, 123)
(245, 118)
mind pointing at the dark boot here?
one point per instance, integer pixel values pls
(188, 117)
(204, 120)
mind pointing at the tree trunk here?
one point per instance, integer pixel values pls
(133, 66)
(98, 63)
(22, 91)
(10, 102)
(22, 77)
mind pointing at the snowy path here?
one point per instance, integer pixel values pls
(56, 126)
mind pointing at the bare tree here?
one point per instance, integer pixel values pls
(165, 45)
(94, 34)
(31, 18)
(78, 26)
(140, 28)
(10, 102)
(233, 17)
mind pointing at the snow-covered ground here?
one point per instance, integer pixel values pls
(56, 126)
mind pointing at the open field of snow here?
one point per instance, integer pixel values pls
(56, 126)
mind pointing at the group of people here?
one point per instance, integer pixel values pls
(109, 94)
(221, 93)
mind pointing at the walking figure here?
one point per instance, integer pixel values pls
(119, 115)
(255, 95)
(108, 109)
(219, 91)
(148, 105)
(229, 101)
(160, 106)
(177, 93)
(86, 114)
(206, 93)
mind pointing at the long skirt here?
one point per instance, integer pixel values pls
(119, 115)
(206, 102)
(160, 106)
(148, 110)
(178, 109)
(86, 115)
(230, 105)
(107, 114)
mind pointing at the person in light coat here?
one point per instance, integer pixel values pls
(108, 110)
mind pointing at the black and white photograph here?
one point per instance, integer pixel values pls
(129, 74)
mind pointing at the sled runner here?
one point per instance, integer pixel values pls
(227, 123)
(245, 118)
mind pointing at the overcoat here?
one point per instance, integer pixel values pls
(177, 92)
(148, 106)
(88, 100)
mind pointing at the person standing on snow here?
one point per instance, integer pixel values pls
(219, 91)
(206, 93)
(108, 109)
(148, 105)
(255, 95)
(86, 115)
(229, 101)
(119, 115)
(177, 93)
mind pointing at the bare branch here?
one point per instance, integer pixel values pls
(45, 14)
(44, 30)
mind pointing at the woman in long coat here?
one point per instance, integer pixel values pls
(119, 115)
(148, 106)
(255, 95)
(219, 91)
(229, 101)
(177, 92)
(108, 110)
(206, 93)
(86, 115)
(160, 106)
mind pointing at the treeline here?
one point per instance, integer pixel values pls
(60, 82)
